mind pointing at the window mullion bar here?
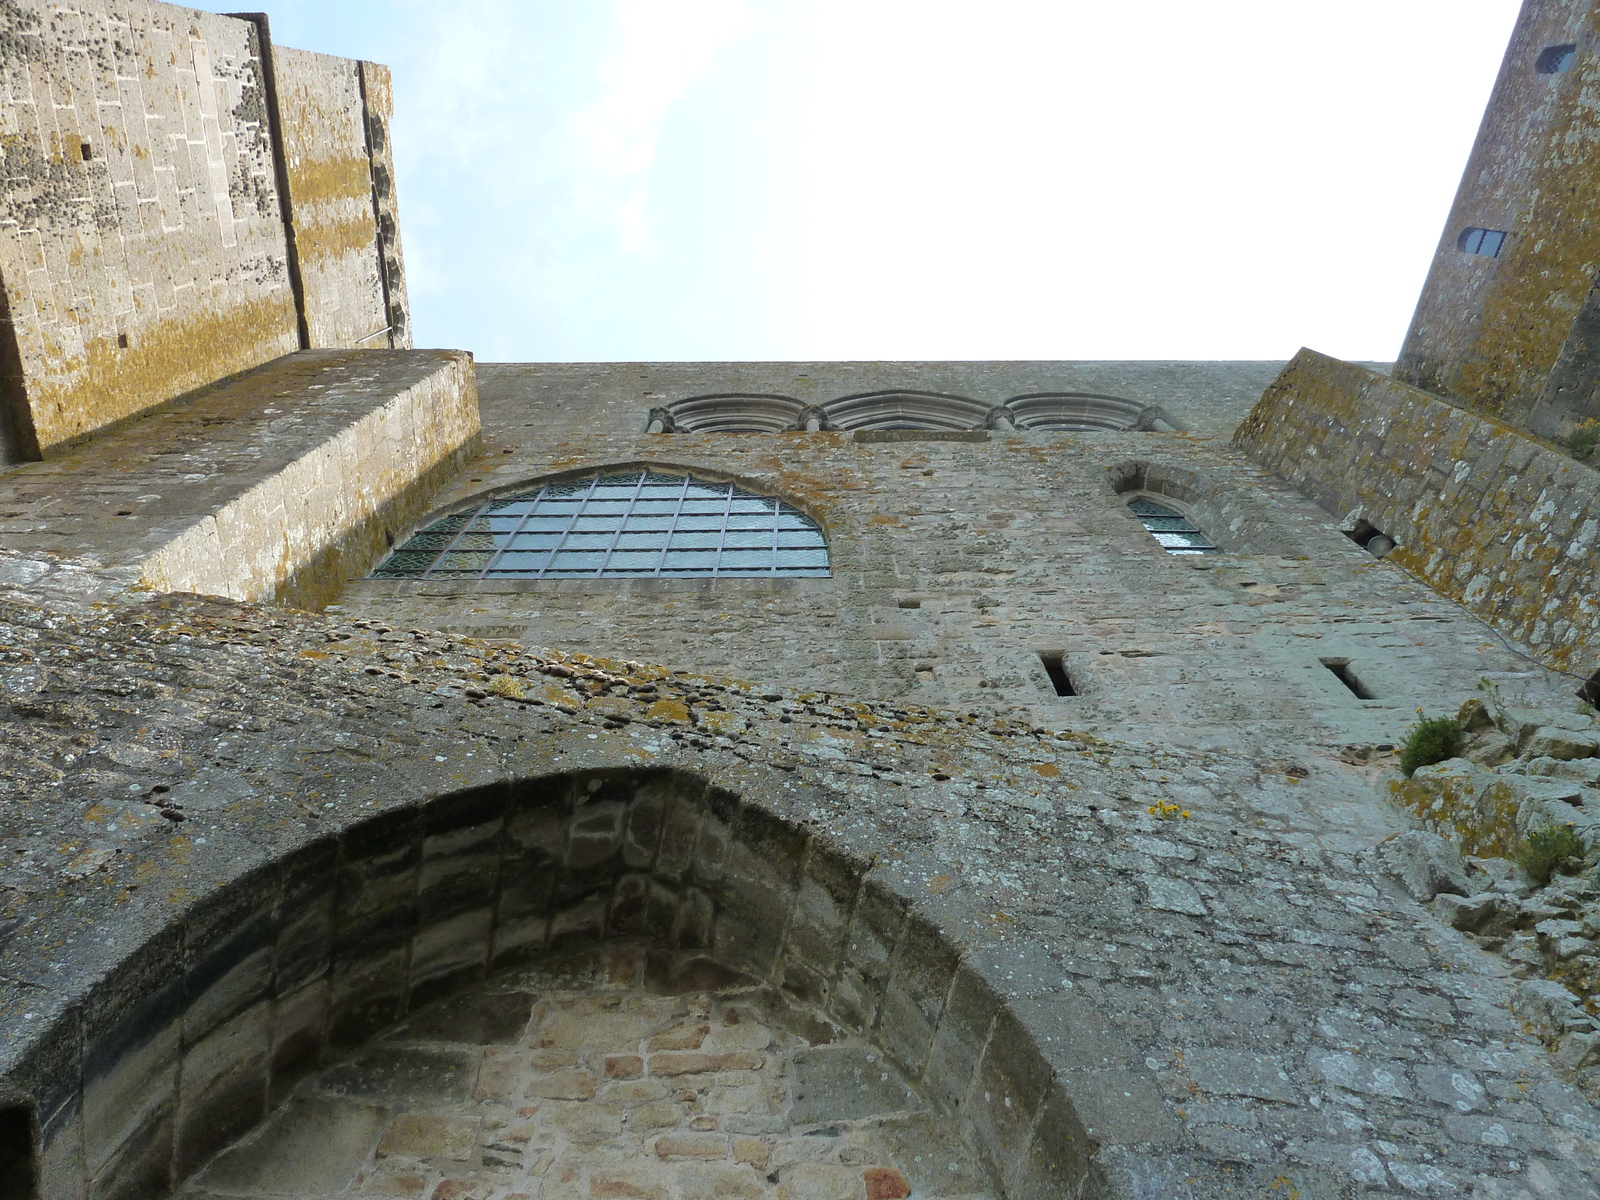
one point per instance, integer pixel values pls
(672, 526)
(510, 537)
(777, 524)
(722, 534)
(616, 535)
(567, 532)
(454, 541)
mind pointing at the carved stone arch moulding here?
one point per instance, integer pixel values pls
(1087, 410)
(906, 410)
(732, 412)
(218, 1013)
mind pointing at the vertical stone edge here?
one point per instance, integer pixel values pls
(377, 95)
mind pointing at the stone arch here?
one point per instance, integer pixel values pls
(1235, 520)
(732, 412)
(1087, 410)
(906, 410)
(200, 1032)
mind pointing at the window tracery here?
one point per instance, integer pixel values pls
(910, 410)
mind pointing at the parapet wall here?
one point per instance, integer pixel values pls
(146, 244)
(1478, 510)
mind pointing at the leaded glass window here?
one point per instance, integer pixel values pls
(1176, 533)
(640, 523)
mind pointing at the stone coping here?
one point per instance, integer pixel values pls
(278, 483)
(1175, 1005)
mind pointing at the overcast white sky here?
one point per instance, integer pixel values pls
(880, 179)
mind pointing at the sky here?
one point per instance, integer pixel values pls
(604, 180)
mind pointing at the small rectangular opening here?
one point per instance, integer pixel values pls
(18, 1175)
(1057, 670)
(87, 150)
(122, 341)
(1342, 672)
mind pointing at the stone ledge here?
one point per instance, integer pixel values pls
(277, 484)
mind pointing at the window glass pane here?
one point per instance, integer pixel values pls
(429, 541)
(1493, 239)
(799, 537)
(615, 524)
(408, 563)
(513, 560)
(576, 560)
(634, 560)
(746, 559)
(682, 540)
(690, 558)
(464, 562)
(543, 524)
(704, 521)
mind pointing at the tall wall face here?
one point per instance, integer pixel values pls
(146, 245)
(1518, 335)
(141, 243)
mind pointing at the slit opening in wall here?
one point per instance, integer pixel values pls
(18, 1174)
(1340, 667)
(1056, 669)
(1589, 693)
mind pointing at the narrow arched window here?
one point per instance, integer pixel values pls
(1552, 60)
(1483, 242)
(641, 523)
(1176, 533)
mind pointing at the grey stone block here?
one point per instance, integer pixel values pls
(847, 1083)
(313, 1146)
(1425, 864)
(403, 1074)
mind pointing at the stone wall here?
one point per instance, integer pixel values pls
(1118, 969)
(1515, 335)
(1481, 512)
(334, 223)
(141, 244)
(144, 250)
(956, 564)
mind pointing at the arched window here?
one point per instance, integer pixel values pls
(1176, 533)
(1483, 242)
(636, 524)
(1552, 60)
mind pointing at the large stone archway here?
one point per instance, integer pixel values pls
(678, 903)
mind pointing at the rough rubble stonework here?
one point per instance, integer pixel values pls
(1013, 857)
(1216, 1001)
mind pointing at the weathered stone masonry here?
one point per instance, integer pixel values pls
(1480, 511)
(144, 234)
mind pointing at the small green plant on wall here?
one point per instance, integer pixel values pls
(1431, 740)
(1584, 437)
(1556, 848)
